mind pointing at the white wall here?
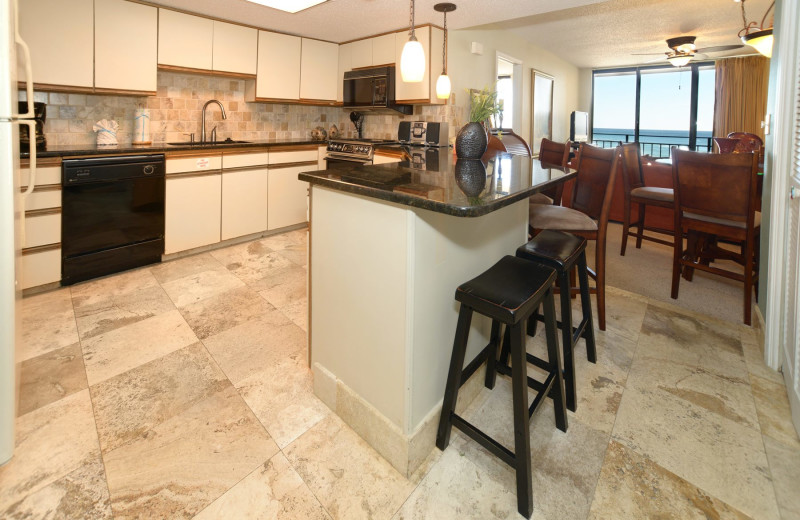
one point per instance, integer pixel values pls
(468, 70)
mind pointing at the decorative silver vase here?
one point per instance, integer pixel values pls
(471, 141)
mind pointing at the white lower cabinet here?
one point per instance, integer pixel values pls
(193, 211)
(288, 196)
(244, 202)
(40, 267)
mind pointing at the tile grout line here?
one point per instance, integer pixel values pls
(91, 402)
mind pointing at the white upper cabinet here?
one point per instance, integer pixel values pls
(383, 49)
(278, 72)
(235, 48)
(423, 92)
(125, 46)
(319, 68)
(185, 40)
(60, 34)
(345, 64)
(362, 53)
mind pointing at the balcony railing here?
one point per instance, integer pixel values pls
(657, 149)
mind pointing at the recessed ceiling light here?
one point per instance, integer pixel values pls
(290, 6)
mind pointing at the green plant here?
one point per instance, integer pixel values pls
(483, 105)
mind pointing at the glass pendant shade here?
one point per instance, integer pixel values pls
(443, 87)
(412, 62)
(761, 41)
(679, 61)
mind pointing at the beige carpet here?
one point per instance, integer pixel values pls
(648, 271)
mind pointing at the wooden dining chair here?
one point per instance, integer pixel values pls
(588, 216)
(636, 192)
(715, 195)
(555, 153)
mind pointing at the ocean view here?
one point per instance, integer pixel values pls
(654, 142)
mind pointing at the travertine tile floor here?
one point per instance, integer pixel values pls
(181, 390)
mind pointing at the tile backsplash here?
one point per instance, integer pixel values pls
(175, 111)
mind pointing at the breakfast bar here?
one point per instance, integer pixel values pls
(388, 246)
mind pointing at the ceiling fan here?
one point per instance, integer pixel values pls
(683, 50)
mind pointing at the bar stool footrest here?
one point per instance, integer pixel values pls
(476, 363)
(484, 440)
(581, 331)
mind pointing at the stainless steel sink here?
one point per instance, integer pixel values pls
(209, 143)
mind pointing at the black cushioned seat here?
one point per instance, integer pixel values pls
(562, 251)
(556, 249)
(509, 292)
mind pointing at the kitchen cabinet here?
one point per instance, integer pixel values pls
(128, 66)
(193, 202)
(424, 92)
(185, 40)
(41, 254)
(361, 53)
(383, 49)
(319, 66)
(60, 35)
(244, 194)
(345, 64)
(288, 196)
(235, 48)
(278, 70)
(193, 208)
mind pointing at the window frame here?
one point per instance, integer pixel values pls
(637, 70)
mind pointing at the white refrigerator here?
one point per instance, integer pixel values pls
(11, 214)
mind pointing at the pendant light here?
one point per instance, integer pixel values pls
(412, 60)
(757, 36)
(443, 85)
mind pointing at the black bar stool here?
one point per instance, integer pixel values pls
(562, 251)
(508, 292)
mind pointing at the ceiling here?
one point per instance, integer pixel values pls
(607, 34)
(344, 20)
(587, 33)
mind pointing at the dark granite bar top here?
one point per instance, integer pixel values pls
(435, 180)
(128, 148)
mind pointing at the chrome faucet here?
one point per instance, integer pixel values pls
(203, 124)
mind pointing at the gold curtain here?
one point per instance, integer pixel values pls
(741, 95)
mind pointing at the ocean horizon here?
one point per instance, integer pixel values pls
(655, 138)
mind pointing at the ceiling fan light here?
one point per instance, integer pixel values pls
(761, 41)
(679, 60)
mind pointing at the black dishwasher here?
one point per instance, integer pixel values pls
(112, 215)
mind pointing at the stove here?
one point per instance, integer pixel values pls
(354, 150)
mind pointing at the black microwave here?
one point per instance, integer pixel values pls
(372, 90)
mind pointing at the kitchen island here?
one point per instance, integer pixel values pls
(389, 244)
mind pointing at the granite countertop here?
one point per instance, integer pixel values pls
(435, 180)
(128, 148)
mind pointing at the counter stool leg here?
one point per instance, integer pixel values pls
(491, 361)
(522, 443)
(533, 322)
(554, 358)
(454, 376)
(567, 344)
(586, 307)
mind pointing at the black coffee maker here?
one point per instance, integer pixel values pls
(40, 114)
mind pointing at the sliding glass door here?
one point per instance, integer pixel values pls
(658, 107)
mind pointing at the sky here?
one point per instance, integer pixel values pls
(665, 100)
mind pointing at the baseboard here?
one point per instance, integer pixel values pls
(759, 326)
(406, 453)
